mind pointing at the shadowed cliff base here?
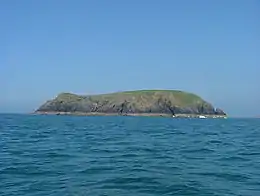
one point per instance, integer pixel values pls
(134, 103)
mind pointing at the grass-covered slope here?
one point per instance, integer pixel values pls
(132, 102)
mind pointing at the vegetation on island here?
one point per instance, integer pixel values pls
(141, 102)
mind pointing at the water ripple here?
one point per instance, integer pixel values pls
(64, 155)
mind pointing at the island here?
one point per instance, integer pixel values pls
(173, 103)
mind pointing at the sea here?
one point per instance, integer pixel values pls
(45, 155)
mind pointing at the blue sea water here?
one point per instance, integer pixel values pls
(141, 156)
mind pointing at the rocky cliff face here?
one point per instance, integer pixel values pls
(136, 102)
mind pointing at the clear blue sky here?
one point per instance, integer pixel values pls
(207, 47)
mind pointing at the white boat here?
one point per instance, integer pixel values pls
(202, 116)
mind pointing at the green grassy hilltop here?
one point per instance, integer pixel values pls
(150, 102)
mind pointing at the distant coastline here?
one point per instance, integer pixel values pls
(129, 114)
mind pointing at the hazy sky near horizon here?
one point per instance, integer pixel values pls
(210, 48)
